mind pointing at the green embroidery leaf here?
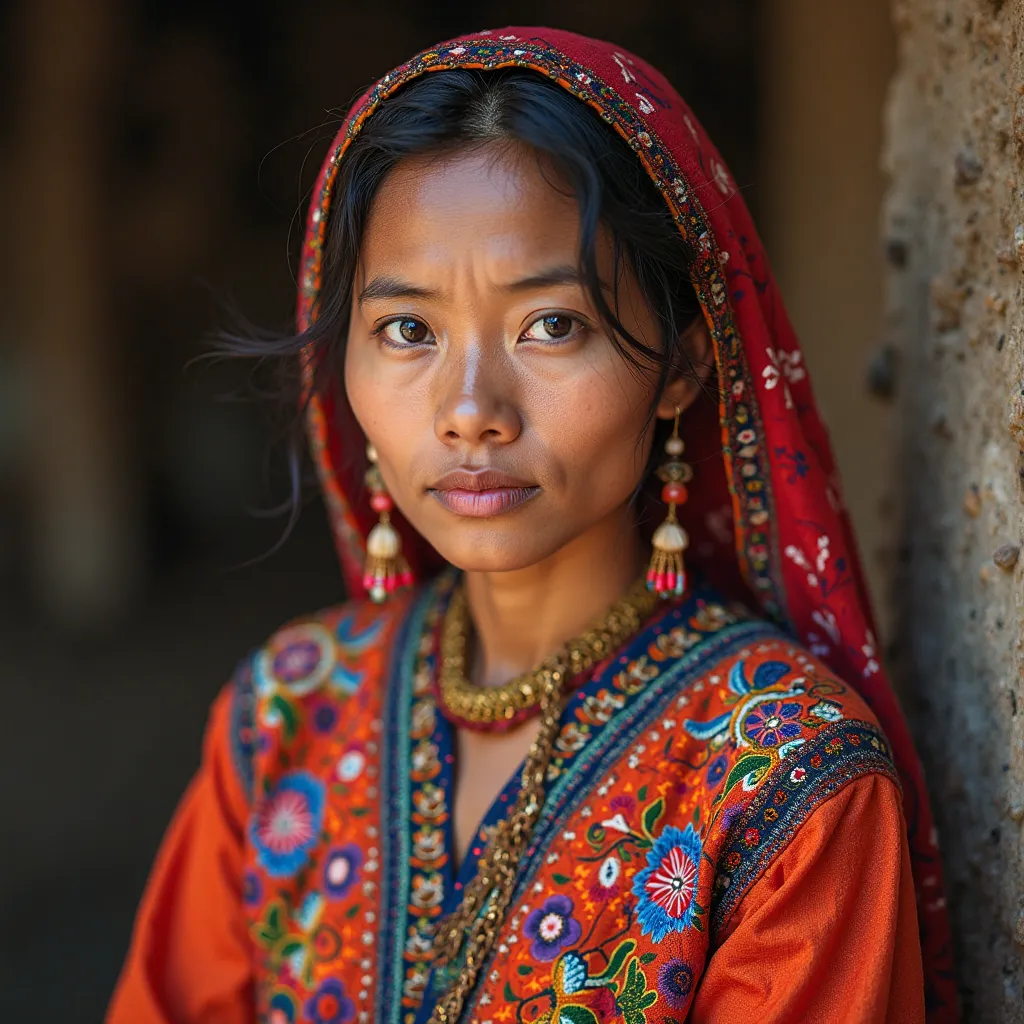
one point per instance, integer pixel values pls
(274, 918)
(646, 958)
(524, 970)
(287, 948)
(560, 879)
(744, 766)
(289, 716)
(615, 962)
(642, 794)
(359, 812)
(577, 1015)
(352, 911)
(510, 996)
(652, 814)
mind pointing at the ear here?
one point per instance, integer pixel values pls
(694, 362)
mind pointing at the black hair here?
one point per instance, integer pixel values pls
(443, 112)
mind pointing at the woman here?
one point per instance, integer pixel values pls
(638, 759)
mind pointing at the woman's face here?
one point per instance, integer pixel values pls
(505, 421)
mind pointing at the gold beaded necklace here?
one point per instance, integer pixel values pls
(473, 927)
(494, 708)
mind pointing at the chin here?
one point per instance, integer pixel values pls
(478, 548)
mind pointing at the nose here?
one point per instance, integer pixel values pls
(475, 407)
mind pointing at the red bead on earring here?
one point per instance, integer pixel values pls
(386, 570)
(667, 574)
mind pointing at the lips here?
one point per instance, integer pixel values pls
(482, 493)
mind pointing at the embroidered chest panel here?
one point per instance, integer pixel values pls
(682, 768)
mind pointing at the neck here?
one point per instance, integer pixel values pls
(522, 616)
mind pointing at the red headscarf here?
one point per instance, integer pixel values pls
(766, 513)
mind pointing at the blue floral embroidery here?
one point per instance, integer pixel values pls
(341, 869)
(252, 889)
(716, 770)
(330, 1004)
(773, 722)
(552, 928)
(286, 824)
(793, 462)
(282, 1008)
(667, 887)
(675, 982)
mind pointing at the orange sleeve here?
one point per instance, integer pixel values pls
(829, 933)
(189, 962)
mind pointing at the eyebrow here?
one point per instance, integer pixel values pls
(386, 287)
(562, 274)
(394, 288)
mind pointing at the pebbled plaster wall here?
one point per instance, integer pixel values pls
(954, 238)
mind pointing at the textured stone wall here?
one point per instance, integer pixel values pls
(954, 230)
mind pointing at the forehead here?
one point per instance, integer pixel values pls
(494, 203)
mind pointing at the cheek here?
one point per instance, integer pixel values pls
(592, 427)
(373, 397)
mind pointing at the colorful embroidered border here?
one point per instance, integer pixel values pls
(243, 726)
(416, 653)
(747, 467)
(839, 754)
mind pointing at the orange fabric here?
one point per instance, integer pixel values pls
(189, 961)
(829, 933)
(833, 918)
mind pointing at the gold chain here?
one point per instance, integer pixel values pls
(473, 927)
(484, 705)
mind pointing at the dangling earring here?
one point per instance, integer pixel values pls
(386, 570)
(666, 575)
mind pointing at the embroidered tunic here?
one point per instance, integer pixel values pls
(726, 831)
(722, 837)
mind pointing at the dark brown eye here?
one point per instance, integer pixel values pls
(406, 331)
(555, 327)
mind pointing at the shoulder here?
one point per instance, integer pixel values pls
(296, 682)
(331, 651)
(784, 735)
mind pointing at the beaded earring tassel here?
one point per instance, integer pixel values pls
(667, 574)
(386, 570)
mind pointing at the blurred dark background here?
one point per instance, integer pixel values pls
(154, 162)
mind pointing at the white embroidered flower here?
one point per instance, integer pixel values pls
(827, 711)
(608, 873)
(645, 105)
(789, 362)
(823, 553)
(721, 176)
(827, 621)
(617, 823)
(350, 766)
(871, 666)
(621, 59)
